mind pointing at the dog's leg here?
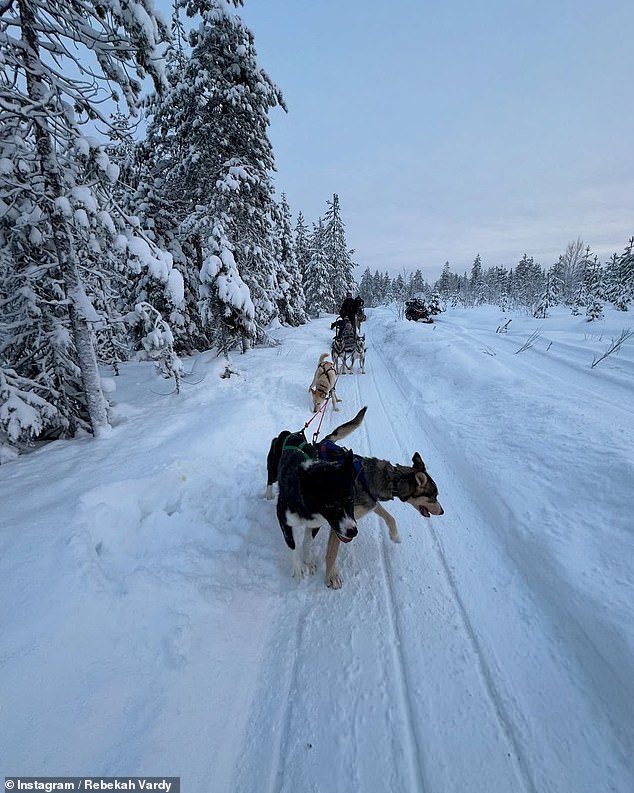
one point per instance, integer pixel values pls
(299, 568)
(335, 400)
(333, 577)
(389, 521)
(273, 461)
(307, 551)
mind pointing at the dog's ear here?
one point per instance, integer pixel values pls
(418, 463)
(421, 479)
(348, 460)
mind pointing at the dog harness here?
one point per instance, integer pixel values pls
(297, 441)
(333, 453)
(325, 367)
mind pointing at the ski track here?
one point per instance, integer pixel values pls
(416, 761)
(506, 724)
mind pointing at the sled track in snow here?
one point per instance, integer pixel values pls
(504, 721)
(417, 764)
(272, 782)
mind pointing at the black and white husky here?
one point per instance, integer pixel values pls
(374, 481)
(311, 494)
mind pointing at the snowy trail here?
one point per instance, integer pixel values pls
(556, 657)
(351, 659)
(151, 623)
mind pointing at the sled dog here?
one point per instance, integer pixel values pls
(359, 353)
(323, 384)
(374, 481)
(311, 493)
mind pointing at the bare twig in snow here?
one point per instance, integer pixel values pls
(615, 346)
(529, 341)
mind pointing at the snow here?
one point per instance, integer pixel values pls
(62, 204)
(176, 286)
(84, 195)
(151, 624)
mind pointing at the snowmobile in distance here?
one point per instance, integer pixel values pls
(417, 310)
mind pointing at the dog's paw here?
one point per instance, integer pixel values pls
(311, 565)
(395, 536)
(268, 494)
(300, 571)
(334, 581)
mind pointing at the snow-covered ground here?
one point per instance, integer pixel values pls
(150, 624)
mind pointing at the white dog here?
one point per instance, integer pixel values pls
(323, 384)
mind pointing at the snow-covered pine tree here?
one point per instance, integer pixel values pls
(319, 278)
(593, 287)
(366, 289)
(445, 284)
(528, 283)
(225, 300)
(336, 250)
(546, 299)
(292, 301)
(211, 132)
(619, 278)
(435, 304)
(58, 64)
(557, 278)
(398, 289)
(475, 282)
(416, 283)
(302, 245)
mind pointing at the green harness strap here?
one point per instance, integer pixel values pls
(290, 442)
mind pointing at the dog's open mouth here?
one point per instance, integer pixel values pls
(424, 511)
(346, 537)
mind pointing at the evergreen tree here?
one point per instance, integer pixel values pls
(59, 61)
(225, 300)
(475, 282)
(213, 160)
(302, 246)
(593, 289)
(546, 300)
(417, 283)
(435, 304)
(398, 290)
(336, 251)
(445, 283)
(292, 301)
(557, 279)
(528, 282)
(318, 281)
(366, 288)
(619, 278)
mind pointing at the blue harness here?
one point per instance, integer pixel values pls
(332, 453)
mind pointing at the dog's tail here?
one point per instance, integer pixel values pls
(345, 429)
(322, 357)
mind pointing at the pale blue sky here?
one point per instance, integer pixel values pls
(455, 127)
